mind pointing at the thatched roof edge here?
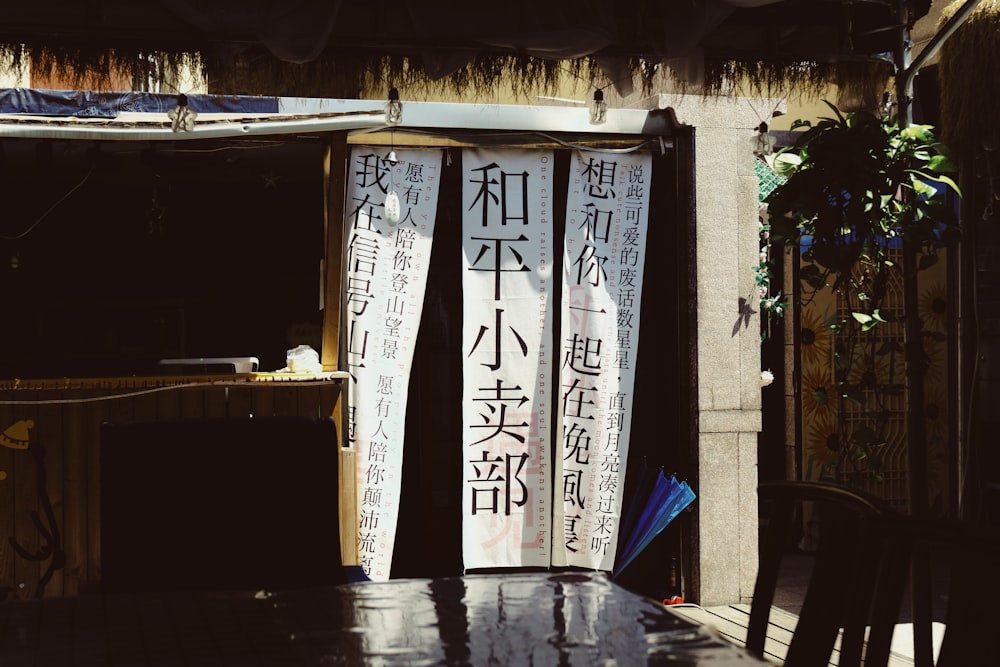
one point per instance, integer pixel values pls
(969, 73)
(370, 74)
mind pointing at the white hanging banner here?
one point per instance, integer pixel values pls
(389, 215)
(606, 220)
(507, 348)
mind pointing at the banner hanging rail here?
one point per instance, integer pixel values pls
(429, 138)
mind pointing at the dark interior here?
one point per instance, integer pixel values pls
(114, 255)
(219, 504)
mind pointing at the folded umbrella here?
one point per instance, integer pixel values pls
(647, 479)
(663, 503)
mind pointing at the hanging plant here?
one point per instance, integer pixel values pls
(858, 186)
(855, 183)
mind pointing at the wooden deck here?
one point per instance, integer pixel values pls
(731, 621)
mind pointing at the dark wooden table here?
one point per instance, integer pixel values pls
(507, 619)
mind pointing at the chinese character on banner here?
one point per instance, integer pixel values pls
(507, 357)
(387, 257)
(606, 217)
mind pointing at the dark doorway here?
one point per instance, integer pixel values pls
(428, 540)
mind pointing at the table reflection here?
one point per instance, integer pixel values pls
(509, 619)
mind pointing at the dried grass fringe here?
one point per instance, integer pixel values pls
(969, 73)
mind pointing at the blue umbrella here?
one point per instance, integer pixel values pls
(663, 502)
(644, 487)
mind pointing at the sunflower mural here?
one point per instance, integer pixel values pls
(819, 395)
(822, 446)
(936, 312)
(878, 365)
(933, 305)
(827, 422)
(816, 338)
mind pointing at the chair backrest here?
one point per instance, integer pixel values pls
(973, 613)
(849, 558)
(968, 553)
(219, 504)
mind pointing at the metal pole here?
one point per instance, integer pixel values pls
(916, 433)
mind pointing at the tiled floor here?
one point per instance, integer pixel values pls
(792, 582)
(794, 577)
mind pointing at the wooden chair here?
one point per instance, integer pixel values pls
(849, 563)
(970, 554)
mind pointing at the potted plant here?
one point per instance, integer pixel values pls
(860, 192)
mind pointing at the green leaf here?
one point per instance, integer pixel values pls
(922, 133)
(784, 164)
(868, 321)
(920, 187)
(941, 163)
(941, 178)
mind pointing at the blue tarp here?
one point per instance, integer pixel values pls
(91, 104)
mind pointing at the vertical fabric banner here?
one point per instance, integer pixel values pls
(386, 275)
(507, 347)
(606, 220)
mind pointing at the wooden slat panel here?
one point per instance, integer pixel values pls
(329, 401)
(168, 404)
(25, 479)
(144, 406)
(68, 424)
(119, 407)
(216, 401)
(6, 503)
(239, 404)
(285, 399)
(75, 495)
(97, 413)
(348, 509)
(308, 402)
(51, 436)
(192, 402)
(262, 400)
(335, 166)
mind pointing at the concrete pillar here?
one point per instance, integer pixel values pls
(729, 393)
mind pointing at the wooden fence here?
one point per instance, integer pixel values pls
(50, 459)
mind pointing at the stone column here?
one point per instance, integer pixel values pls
(725, 550)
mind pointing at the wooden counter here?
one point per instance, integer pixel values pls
(50, 455)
